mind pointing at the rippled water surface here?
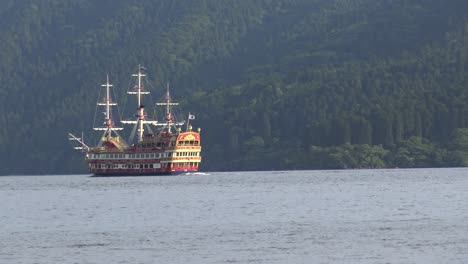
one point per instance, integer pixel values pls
(358, 216)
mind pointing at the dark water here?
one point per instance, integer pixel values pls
(360, 216)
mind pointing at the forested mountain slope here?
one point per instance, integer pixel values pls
(275, 84)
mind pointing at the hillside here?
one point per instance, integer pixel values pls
(275, 84)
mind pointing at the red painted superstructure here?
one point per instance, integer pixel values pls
(163, 154)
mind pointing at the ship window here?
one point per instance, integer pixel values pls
(180, 142)
(146, 166)
(191, 142)
(141, 166)
(151, 166)
(196, 143)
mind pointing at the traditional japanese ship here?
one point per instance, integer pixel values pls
(153, 147)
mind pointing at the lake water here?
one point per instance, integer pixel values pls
(354, 216)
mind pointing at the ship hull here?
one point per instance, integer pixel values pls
(132, 174)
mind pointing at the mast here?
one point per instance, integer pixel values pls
(108, 117)
(169, 116)
(141, 110)
(141, 115)
(108, 124)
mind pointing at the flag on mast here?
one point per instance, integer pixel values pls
(191, 117)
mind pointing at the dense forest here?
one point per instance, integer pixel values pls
(274, 84)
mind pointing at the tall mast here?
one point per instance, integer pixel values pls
(108, 117)
(139, 87)
(108, 124)
(168, 104)
(141, 109)
(141, 115)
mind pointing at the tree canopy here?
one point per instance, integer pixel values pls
(275, 84)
